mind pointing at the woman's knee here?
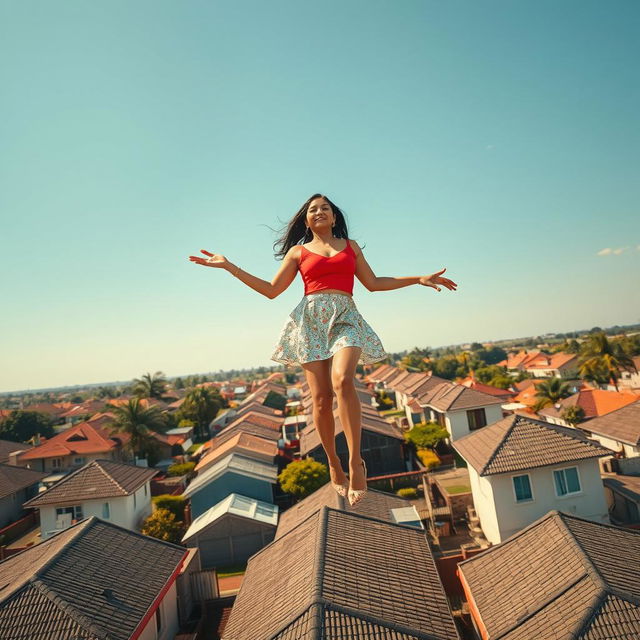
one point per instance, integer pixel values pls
(342, 382)
(323, 400)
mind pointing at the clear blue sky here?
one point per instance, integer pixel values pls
(498, 139)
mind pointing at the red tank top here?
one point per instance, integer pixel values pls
(322, 272)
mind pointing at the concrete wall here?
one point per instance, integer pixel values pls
(169, 616)
(512, 516)
(483, 501)
(458, 421)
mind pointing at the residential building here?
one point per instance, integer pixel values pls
(17, 485)
(520, 469)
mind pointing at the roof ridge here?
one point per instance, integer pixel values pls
(108, 476)
(318, 572)
(492, 457)
(54, 486)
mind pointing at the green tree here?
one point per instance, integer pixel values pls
(178, 383)
(201, 405)
(301, 478)
(275, 400)
(572, 415)
(549, 392)
(426, 435)
(601, 357)
(150, 386)
(163, 525)
(175, 504)
(21, 426)
(138, 423)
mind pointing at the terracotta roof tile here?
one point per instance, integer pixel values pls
(242, 442)
(594, 402)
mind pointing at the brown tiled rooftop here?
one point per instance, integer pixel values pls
(450, 396)
(97, 479)
(622, 425)
(342, 576)
(13, 478)
(560, 577)
(245, 443)
(94, 581)
(516, 443)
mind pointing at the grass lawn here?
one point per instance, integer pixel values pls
(458, 488)
(231, 570)
(392, 412)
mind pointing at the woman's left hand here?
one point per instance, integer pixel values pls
(434, 280)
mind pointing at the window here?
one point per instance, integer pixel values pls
(56, 463)
(78, 460)
(566, 481)
(106, 510)
(522, 488)
(159, 619)
(477, 418)
(75, 511)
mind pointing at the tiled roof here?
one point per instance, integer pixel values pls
(629, 486)
(560, 577)
(97, 479)
(622, 425)
(472, 383)
(245, 407)
(515, 360)
(13, 478)
(516, 443)
(245, 443)
(233, 462)
(341, 576)
(230, 431)
(259, 419)
(81, 438)
(410, 381)
(94, 580)
(310, 439)
(7, 447)
(594, 402)
(552, 361)
(378, 372)
(450, 396)
(378, 504)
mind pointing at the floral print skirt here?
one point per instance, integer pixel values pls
(320, 325)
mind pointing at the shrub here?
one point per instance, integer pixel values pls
(429, 458)
(407, 492)
(301, 478)
(426, 435)
(175, 504)
(162, 524)
(181, 469)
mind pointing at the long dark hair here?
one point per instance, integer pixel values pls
(296, 232)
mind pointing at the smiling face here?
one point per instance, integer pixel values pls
(320, 215)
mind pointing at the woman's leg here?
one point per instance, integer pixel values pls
(318, 376)
(343, 371)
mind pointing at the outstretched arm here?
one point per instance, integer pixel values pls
(365, 274)
(283, 278)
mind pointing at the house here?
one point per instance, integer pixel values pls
(562, 576)
(515, 362)
(470, 381)
(630, 378)
(594, 403)
(378, 504)
(232, 530)
(342, 575)
(623, 497)
(459, 409)
(246, 444)
(16, 486)
(113, 491)
(74, 447)
(94, 580)
(9, 450)
(520, 469)
(382, 443)
(555, 365)
(618, 430)
(234, 473)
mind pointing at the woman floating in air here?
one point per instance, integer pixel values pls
(325, 333)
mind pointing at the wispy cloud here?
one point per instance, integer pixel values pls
(613, 252)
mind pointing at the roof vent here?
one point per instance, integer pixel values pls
(108, 594)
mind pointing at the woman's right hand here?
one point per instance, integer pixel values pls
(213, 260)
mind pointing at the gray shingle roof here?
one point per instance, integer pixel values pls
(340, 576)
(7, 447)
(94, 580)
(450, 396)
(516, 443)
(14, 478)
(376, 505)
(560, 577)
(622, 425)
(97, 479)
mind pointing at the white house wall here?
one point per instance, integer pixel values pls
(483, 503)
(169, 614)
(458, 422)
(513, 516)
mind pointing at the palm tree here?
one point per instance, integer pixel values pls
(150, 386)
(139, 424)
(549, 392)
(603, 360)
(202, 406)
